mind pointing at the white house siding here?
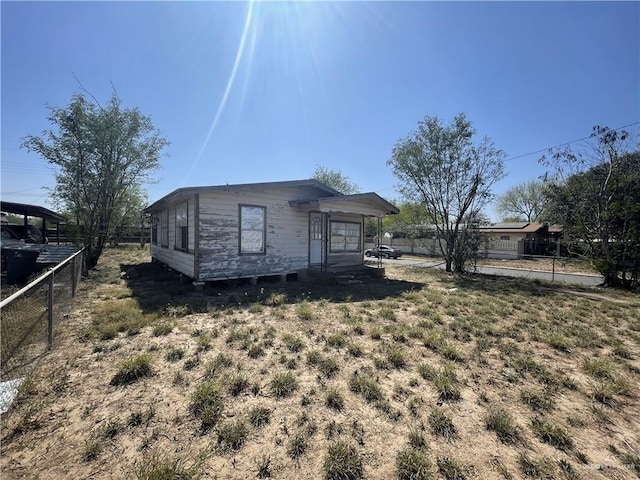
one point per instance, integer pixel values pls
(355, 207)
(178, 260)
(287, 234)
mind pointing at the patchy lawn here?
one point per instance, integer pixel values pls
(419, 375)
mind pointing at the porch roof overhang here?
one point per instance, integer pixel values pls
(368, 204)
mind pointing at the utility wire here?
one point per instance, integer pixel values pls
(565, 144)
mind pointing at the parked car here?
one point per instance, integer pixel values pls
(8, 239)
(383, 251)
(29, 233)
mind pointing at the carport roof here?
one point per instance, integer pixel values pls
(31, 211)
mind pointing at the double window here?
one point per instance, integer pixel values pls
(253, 228)
(345, 237)
(182, 227)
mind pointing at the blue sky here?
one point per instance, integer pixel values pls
(266, 91)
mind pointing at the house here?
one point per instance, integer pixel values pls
(521, 239)
(261, 229)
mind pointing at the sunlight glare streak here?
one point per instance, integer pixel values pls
(227, 90)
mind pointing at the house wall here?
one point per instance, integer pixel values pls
(183, 262)
(287, 234)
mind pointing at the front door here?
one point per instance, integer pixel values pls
(315, 238)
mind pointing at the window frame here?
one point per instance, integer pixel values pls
(263, 250)
(335, 223)
(155, 229)
(181, 241)
(164, 228)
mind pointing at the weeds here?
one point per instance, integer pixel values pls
(207, 403)
(259, 416)
(451, 469)
(334, 399)
(366, 386)
(161, 467)
(231, 435)
(342, 462)
(413, 464)
(292, 342)
(502, 423)
(132, 370)
(283, 384)
(441, 424)
(551, 434)
(174, 354)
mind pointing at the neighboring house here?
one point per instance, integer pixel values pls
(531, 238)
(261, 229)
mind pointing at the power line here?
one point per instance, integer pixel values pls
(565, 144)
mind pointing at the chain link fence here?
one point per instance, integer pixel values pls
(28, 319)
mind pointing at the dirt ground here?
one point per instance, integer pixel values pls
(561, 371)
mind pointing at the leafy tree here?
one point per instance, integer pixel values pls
(336, 180)
(526, 201)
(440, 166)
(595, 195)
(412, 222)
(102, 155)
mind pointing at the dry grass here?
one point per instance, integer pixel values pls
(419, 375)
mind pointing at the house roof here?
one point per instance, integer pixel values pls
(369, 203)
(512, 227)
(31, 211)
(323, 190)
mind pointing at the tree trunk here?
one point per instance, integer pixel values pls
(449, 256)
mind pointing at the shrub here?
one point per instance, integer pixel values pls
(342, 462)
(133, 370)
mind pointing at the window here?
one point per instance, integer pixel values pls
(345, 237)
(182, 227)
(505, 237)
(164, 229)
(155, 226)
(253, 223)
